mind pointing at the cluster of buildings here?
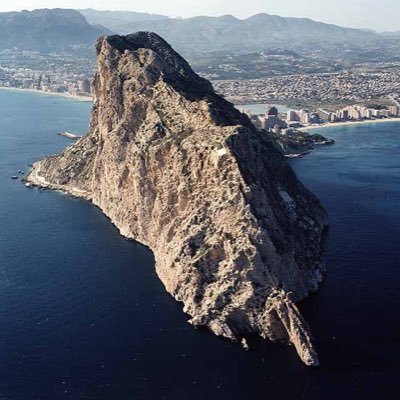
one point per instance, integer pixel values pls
(272, 121)
(81, 87)
(303, 117)
(56, 73)
(360, 113)
(347, 87)
(276, 123)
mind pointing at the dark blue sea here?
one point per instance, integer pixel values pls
(83, 315)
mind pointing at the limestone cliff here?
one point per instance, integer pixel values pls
(236, 237)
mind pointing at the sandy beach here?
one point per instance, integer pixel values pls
(349, 123)
(65, 95)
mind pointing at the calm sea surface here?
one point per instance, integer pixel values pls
(83, 315)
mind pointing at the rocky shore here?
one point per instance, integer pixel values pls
(237, 238)
(299, 143)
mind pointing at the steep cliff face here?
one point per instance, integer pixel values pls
(236, 237)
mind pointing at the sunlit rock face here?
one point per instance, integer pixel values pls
(236, 237)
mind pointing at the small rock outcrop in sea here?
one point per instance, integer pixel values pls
(298, 143)
(236, 237)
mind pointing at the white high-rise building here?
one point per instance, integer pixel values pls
(305, 117)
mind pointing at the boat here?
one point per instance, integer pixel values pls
(14, 177)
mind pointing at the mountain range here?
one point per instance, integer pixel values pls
(47, 30)
(119, 21)
(256, 33)
(55, 29)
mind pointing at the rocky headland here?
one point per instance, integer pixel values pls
(299, 143)
(236, 236)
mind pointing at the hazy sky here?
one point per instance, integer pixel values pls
(380, 15)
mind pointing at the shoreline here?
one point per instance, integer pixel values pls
(33, 179)
(349, 123)
(65, 95)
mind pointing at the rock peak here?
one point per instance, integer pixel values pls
(236, 237)
(173, 66)
(142, 40)
(160, 61)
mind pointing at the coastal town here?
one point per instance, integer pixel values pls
(291, 129)
(59, 73)
(277, 122)
(364, 84)
(369, 93)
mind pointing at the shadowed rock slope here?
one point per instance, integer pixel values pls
(236, 237)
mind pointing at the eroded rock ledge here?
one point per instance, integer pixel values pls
(236, 237)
